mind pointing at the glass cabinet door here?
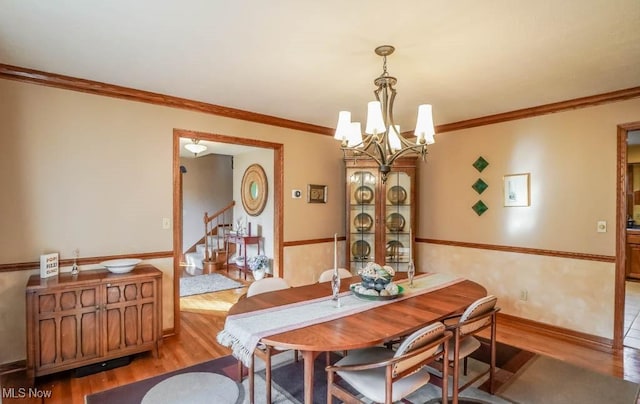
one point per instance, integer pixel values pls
(362, 217)
(397, 220)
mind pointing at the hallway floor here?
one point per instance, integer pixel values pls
(632, 315)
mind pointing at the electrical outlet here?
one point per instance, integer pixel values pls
(524, 295)
(166, 223)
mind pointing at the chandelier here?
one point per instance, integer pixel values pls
(195, 147)
(383, 141)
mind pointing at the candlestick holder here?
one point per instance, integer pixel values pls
(335, 287)
(411, 272)
(74, 267)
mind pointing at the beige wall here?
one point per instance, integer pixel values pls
(572, 160)
(95, 173)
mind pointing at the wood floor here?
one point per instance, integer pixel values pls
(203, 316)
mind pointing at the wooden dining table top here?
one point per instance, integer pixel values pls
(366, 328)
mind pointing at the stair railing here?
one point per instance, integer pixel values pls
(220, 222)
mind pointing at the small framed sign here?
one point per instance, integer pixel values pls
(316, 193)
(49, 265)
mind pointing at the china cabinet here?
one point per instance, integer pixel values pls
(92, 317)
(380, 216)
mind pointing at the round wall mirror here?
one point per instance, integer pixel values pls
(254, 190)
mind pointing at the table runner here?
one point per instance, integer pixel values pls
(242, 332)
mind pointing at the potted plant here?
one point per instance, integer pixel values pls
(258, 264)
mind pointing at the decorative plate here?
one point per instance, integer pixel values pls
(394, 249)
(363, 222)
(395, 222)
(352, 287)
(363, 194)
(360, 249)
(397, 195)
(363, 177)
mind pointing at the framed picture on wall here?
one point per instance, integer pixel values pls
(316, 193)
(516, 190)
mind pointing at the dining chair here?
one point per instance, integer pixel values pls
(385, 376)
(327, 275)
(478, 316)
(263, 351)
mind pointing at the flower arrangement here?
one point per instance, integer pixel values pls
(258, 262)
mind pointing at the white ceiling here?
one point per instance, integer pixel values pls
(306, 60)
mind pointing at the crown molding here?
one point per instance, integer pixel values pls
(17, 73)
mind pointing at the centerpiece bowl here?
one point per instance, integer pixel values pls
(121, 266)
(377, 283)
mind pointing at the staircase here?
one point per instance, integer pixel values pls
(211, 251)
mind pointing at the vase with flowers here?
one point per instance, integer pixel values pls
(258, 264)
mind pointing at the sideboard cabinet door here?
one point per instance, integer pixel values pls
(65, 326)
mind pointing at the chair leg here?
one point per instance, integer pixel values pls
(329, 385)
(267, 365)
(464, 366)
(492, 365)
(240, 372)
(251, 380)
(456, 367)
(445, 374)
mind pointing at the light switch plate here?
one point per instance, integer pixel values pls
(166, 223)
(296, 194)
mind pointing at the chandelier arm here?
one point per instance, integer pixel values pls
(419, 149)
(353, 151)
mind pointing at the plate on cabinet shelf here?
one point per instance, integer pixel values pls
(397, 195)
(395, 222)
(363, 177)
(395, 249)
(363, 222)
(360, 249)
(363, 194)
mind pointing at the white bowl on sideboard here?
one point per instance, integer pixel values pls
(121, 266)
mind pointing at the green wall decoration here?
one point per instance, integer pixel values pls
(479, 186)
(480, 164)
(479, 207)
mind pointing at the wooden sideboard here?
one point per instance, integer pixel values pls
(95, 316)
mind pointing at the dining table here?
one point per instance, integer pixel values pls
(434, 297)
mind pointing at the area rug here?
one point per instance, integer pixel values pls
(535, 380)
(184, 386)
(565, 383)
(195, 285)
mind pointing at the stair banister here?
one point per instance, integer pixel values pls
(208, 226)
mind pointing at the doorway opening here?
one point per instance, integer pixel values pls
(276, 190)
(621, 322)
